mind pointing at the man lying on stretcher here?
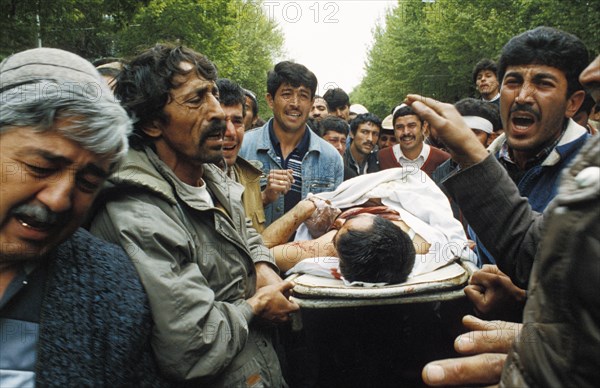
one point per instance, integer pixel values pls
(410, 230)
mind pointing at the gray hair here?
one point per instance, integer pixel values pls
(96, 120)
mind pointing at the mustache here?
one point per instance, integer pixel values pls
(216, 127)
(525, 108)
(38, 213)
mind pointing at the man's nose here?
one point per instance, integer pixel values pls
(58, 192)
(525, 94)
(214, 110)
(229, 129)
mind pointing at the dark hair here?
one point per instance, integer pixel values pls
(404, 111)
(333, 123)
(336, 98)
(550, 47)
(144, 85)
(231, 94)
(484, 64)
(252, 96)
(485, 109)
(291, 73)
(364, 118)
(378, 254)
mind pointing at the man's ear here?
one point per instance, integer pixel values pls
(269, 99)
(425, 128)
(574, 103)
(153, 129)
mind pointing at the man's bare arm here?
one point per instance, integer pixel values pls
(288, 255)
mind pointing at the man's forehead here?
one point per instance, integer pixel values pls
(190, 79)
(288, 86)
(486, 72)
(236, 109)
(535, 68)
(408, 119)
(55, 147)
(368, 125)
(331, 132)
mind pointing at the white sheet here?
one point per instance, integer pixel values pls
(421, 204)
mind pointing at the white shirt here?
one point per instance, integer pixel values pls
(418, 162)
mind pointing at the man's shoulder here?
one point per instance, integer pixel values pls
(253, 140)
(323, 147)
(139, 173)
(438, 154)
(252, 167)
(82, 239)
(85, 245)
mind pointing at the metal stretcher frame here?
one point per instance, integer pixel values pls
(445, 283)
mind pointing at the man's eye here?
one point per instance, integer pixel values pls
(546, 84)
(194, 101)
(87, 185)
(40, 171)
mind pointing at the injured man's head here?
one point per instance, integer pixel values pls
(373, 249)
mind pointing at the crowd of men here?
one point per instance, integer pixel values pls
(174, 280)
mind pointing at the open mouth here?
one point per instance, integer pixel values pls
(229, 147)
(32, 223)
(522, 121)
(295, 115)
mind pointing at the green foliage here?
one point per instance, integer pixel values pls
(431, 48)
(235, 34)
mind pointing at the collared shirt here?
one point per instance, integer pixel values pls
(293, 162)
(418, 162)
(496, 97)
(20, 309)
(514, 171)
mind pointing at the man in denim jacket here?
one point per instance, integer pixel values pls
(286, 142)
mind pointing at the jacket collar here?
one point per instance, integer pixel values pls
(573, 132)
(264, 142)
(144, 169)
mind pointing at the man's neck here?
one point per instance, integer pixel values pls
(489, 96)
(288, 141)
(358, 157)
(187, 173)
(412, 154)
(521, 158)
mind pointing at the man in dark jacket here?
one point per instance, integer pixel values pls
(557, 345)
(361, 156)
(72, 309)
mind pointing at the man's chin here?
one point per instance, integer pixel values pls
(23, 252)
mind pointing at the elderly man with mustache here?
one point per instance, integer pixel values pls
(72, 309)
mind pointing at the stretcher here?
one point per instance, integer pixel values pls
(443, 284)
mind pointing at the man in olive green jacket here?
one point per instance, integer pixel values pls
(208, 276)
